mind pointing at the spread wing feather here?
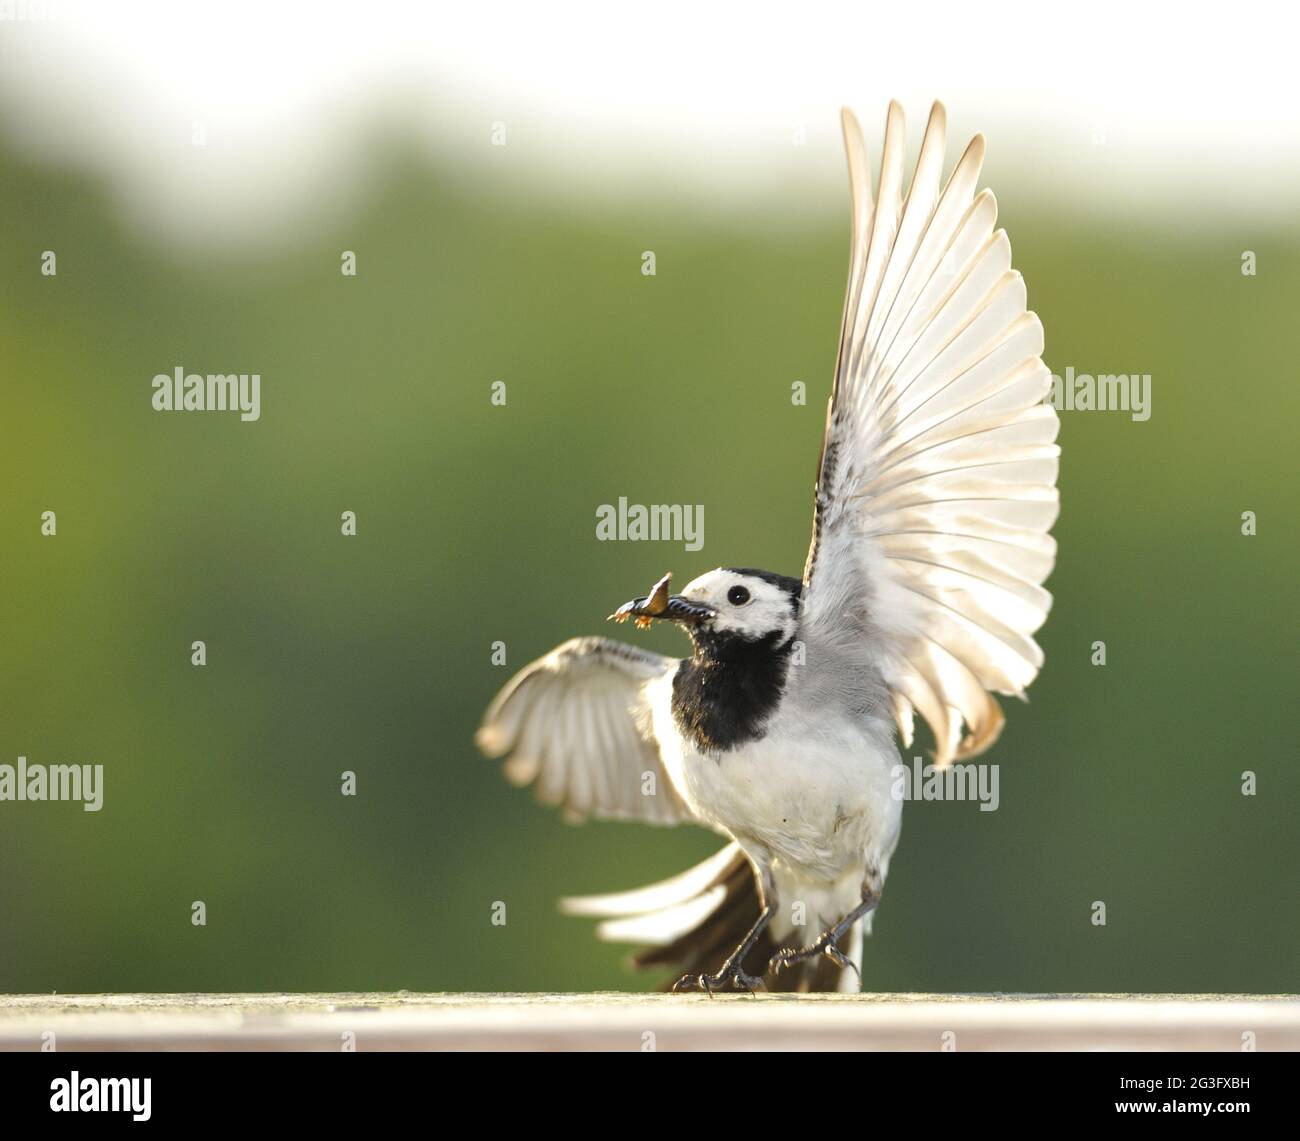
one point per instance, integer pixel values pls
(575, 726)
(937, 483)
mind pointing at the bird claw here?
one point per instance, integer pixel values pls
(730, 976)
(825, 945)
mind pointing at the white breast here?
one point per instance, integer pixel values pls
(814, 792)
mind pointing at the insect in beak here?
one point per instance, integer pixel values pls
(660, 604)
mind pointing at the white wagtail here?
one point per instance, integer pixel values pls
(921, 593)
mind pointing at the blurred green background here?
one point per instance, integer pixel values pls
(476, 524)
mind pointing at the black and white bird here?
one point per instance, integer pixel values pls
(935, 493)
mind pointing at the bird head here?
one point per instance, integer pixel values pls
(750, 605)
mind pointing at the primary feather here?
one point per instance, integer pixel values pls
(936, 488)
(572, 725)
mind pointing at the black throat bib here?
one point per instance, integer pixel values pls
(725, 692)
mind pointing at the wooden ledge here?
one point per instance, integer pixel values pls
(406, 1021)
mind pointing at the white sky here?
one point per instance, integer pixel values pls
(1162, 110)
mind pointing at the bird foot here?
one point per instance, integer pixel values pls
(825, 945)
(729, 976)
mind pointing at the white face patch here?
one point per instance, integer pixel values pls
(766, 611)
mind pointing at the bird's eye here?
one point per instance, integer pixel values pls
(737, 596)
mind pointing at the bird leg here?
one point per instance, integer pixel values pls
(827, 942)
(731, 973)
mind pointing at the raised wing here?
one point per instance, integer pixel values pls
(936, 488)
(576, 726)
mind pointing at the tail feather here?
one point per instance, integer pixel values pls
(694, 920)
(662, 896)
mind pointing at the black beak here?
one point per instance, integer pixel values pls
(660, 604)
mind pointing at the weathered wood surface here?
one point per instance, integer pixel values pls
(404, 1021)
